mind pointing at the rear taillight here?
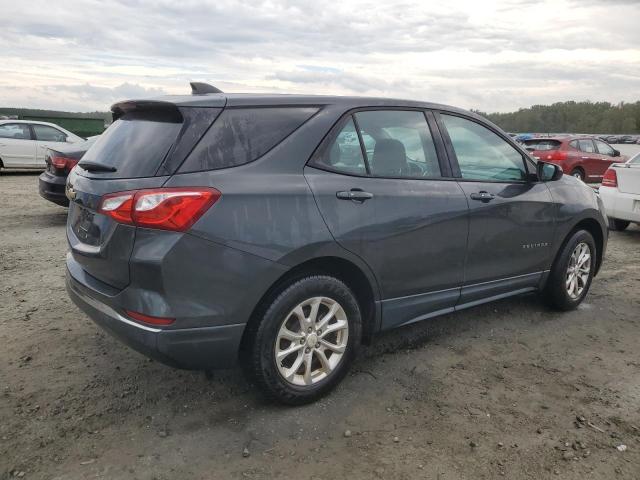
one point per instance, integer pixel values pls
(118, 206)
(63, 163)
(557, 155)
(149, 320)
(610, 178)
(163, 208)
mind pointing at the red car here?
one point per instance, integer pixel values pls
(586, 158)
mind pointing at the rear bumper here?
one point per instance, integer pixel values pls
(623, 206)
(52, 187)
(189, 348)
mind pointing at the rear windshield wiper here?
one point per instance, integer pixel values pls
(97, 167)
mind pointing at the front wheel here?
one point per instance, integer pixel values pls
(572, 272)
(306, 340)
(618, 225)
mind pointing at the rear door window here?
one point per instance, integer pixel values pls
(242, 135)
(586, 145)
(135, 145)
(398, 144)
(344, 155)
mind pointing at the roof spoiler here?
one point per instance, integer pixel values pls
(200, 88)
(163, 111)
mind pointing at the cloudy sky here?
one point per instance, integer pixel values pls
(489, 55)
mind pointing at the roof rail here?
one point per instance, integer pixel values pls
(201, 88)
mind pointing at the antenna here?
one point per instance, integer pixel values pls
(201, 88)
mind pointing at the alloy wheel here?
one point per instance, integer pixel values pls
(311, 341)
(578, 270)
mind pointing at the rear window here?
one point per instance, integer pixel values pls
(242, 135)
(135, 145)
(541, 144)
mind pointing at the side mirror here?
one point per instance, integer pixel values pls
(548, 172)
(616, 153)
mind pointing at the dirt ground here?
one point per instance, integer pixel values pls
(509, 389)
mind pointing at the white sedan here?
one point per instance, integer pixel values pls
(24, 143)
(620, 193)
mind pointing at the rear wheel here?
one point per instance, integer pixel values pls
(578, 173)
(572, 272)
(306, 340)
(618, 225)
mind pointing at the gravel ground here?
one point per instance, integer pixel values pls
(507, 389)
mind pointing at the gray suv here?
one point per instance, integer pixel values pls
(283, 231)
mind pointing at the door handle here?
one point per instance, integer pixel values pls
(482, 196)
(355, 194)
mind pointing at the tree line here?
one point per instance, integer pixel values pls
(571, 117)
(35, 112)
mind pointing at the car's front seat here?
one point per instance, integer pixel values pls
(335, 154)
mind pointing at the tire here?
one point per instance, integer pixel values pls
(618, 225)
(556, 291)
(311, 378)
(578, 173)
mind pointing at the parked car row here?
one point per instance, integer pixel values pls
(611, 139)
(620, 193)
(622, 139)
(583, 157)
(24, 143)
(33, 145)
(59, 162)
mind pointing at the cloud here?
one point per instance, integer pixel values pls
(104, 95)
(79, 97)
(491, 55)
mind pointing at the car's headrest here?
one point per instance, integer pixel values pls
(389, 157)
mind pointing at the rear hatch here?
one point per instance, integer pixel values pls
(141, 149)
(629, 176)
(543, 148)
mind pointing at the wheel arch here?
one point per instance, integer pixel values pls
(592, 226)
(345, 270)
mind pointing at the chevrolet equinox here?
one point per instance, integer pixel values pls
(283, 231)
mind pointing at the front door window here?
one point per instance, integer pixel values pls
(49, 134)
(483, 155)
